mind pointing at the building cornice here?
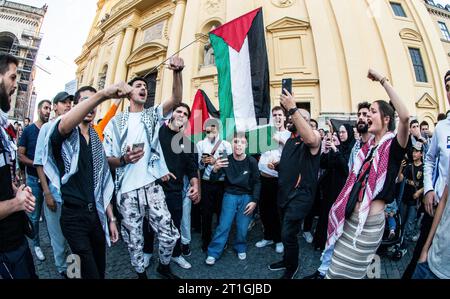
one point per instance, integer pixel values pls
(438, 11)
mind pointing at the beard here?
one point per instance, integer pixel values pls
(362, 128)
(5, 98)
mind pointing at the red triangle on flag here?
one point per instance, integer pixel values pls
(199, 115)
(235, 31)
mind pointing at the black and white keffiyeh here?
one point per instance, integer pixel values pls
(103, 182)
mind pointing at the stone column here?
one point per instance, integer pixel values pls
(125, 51)
(173, 46)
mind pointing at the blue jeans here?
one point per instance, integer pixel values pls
(186, 219)
(232, 206)
(33, 183)
(327, 254)
(17, 264)
(57, 239)
(392, 223)
(423, 272)
(409, 214)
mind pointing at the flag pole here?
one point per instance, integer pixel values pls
(156, 67)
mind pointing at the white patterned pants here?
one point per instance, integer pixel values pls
(148, 201)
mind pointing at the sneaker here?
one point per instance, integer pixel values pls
(180, 261)
(41, 219)
(263, 243)
(242, 256)
(165, 271)
(186, 250)
(39, 254)
(279, 248)
(391, 235)
(316, 275)
(147, 258)
(289, 274)
(210, 260)
(308, 237)
(277, 266)
(416, 237)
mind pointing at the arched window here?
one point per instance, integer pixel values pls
(206, 51)
(8, 43)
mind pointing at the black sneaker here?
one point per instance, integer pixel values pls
(278, 266)
(165, 271)
(186, 250)
(289, 274)
(316, 275)
(142, 276)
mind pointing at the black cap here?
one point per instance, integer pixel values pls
(62, 96)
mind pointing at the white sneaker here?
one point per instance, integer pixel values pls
(279, 248)
(40, 219)
(147, 258)
(242, 256)
(210, 260)
(263, 243)
(308, 237)
(39, 254)
(180, 261)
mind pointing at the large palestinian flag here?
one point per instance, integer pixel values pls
(202, 110)
(243, 70)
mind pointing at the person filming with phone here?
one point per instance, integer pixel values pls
(242, 190)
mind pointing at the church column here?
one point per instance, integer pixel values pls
(174, 45)
(125, 51)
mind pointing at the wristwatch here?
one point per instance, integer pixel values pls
(113, 219)
(292, 111)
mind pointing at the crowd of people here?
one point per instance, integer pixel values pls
(136, 176)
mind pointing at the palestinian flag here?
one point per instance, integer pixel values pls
(243, 70)
(202, 110)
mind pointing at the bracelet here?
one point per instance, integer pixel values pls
(382, 81)
(113, 219)
(122, 161)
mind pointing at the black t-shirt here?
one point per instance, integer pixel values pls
(241, 177)
(396, 156)
(297, 167)
(12, 228)
(79, 190)
(28, 140)
(180, 161)
(413, 176)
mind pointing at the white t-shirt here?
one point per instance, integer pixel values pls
(137, 175)
(273, 155)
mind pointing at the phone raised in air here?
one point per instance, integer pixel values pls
(286, 84)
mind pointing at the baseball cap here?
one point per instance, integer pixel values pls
(62, 96)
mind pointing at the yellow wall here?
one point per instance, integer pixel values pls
(326, 46)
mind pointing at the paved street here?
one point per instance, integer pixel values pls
(228, 267)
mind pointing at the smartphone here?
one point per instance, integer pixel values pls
(204, 155)
(224, 155)
(286, 84)
(137, 146)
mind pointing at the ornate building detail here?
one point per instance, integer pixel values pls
(283, 3)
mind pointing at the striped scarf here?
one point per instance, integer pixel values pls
(103, 182)
(374, 185)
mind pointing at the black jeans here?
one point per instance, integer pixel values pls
(18, 263)
(212, 196)
(268, 209)
(292, 216)
(174, 201)
(427, 222)
(83, 231)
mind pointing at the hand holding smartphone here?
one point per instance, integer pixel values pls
(138, 146)
(286, 84)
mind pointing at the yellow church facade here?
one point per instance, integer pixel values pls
(325, 46)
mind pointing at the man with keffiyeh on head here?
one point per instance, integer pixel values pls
(75, 163)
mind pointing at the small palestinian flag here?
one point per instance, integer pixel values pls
(243, 70)
(202, 110)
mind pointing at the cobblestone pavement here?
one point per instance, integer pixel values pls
(227, 267)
